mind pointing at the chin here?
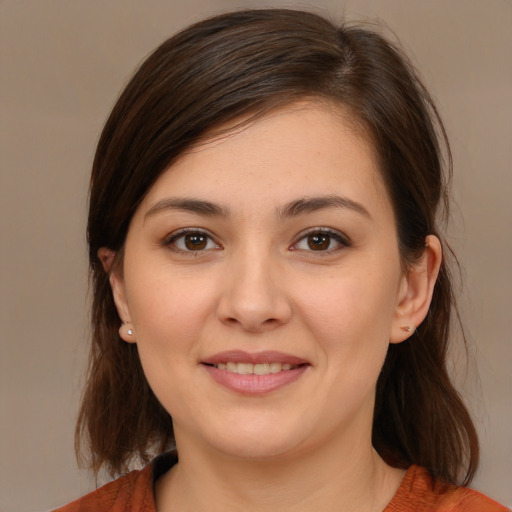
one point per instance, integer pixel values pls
(254, 448)
(258, 440)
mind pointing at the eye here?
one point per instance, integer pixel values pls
(321, 240)
(192, 240)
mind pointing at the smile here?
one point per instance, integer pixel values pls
(255, 373)
(255, 369)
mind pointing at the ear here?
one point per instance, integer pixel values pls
(126, 331)
(415, 293)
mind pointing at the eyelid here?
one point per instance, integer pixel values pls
(343, 239)
(175, 235)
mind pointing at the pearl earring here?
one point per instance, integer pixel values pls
(129, 331)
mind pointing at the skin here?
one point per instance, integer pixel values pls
(256, 284)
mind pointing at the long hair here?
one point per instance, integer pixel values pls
(243, 65)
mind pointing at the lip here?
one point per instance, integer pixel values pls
(251, 384)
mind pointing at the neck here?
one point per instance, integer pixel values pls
(341, 478)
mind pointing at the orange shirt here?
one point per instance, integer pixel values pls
(418, 494)
(134, 493)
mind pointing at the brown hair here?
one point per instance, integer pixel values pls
(245, 64)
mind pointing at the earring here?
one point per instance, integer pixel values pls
(407, 328)
(129, 331)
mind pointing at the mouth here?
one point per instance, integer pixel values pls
(255, 369)
(254, 374)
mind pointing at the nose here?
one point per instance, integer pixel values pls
(253, 297)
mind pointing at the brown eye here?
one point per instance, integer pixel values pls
(319, 242)
(192, 241)
(195, 241)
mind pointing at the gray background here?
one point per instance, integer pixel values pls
(63, 63)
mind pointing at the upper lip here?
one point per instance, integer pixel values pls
(240, 356)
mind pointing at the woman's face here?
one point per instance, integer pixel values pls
(263, 284)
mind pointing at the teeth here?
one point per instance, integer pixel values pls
(275, 367)
(245, 368)
(261, 369)
(255, 369)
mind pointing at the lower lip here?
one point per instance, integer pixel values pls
(255, 384)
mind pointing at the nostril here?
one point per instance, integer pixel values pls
(252, 311)
(255, 327)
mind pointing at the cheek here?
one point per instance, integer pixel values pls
(168, 310)
(351, 317)
(170, 313)
(352, 303)
(170, 316)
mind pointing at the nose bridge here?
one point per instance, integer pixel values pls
(254, 297)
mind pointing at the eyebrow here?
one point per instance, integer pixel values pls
(198, 206)
(313, 204)
(292, 209)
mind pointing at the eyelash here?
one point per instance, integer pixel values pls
(341, 239)
(333, 234)
(182, 233)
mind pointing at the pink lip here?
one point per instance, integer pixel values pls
(254, 384)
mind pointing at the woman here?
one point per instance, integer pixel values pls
(268, 272)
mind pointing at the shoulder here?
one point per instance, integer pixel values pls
(132, 492)
(420, 493)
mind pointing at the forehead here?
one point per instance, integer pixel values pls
(304, 149)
